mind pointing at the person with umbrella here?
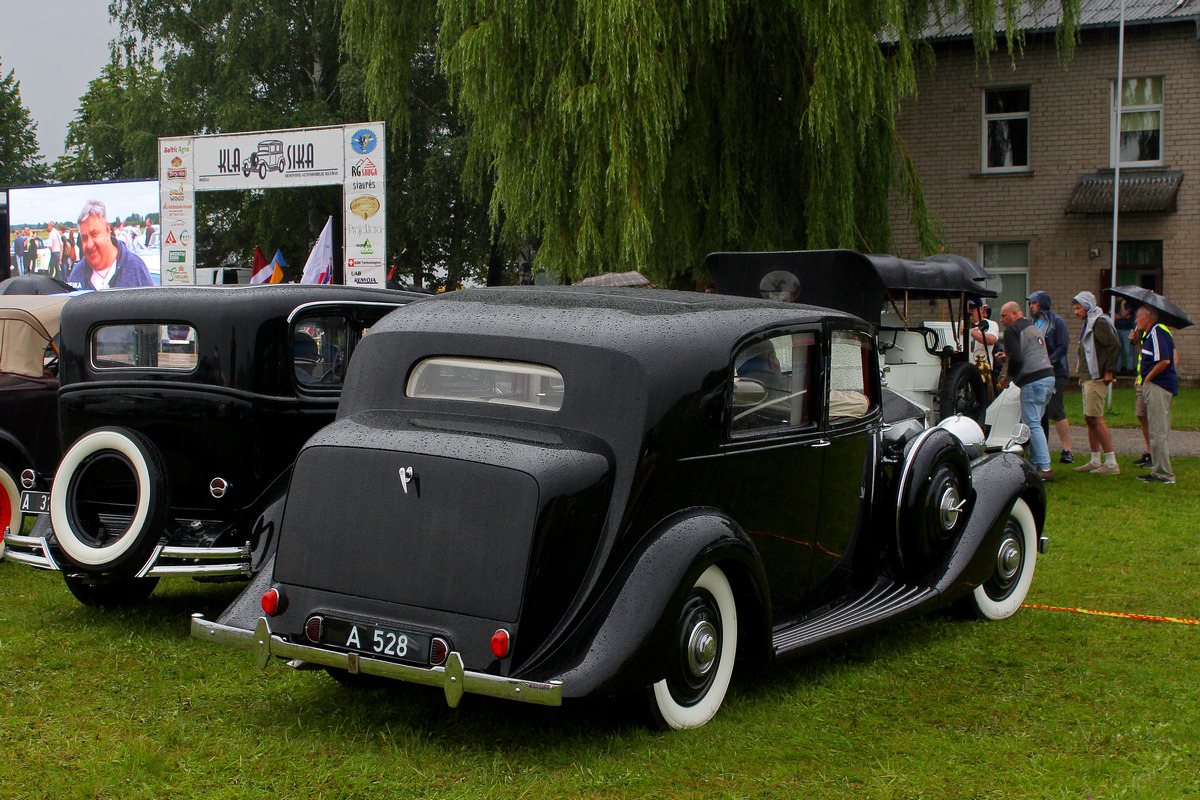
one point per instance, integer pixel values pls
(1159, 384)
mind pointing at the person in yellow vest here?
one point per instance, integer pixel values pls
(1159, 384)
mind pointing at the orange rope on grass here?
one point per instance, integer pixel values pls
(1143, 617)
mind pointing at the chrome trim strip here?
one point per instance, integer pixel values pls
(42, 558)
(210, 553)
(356, 303)
(453, 679)
(200, 569)
(234, 561)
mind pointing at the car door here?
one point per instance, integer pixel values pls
(851, 425)
(771, 481)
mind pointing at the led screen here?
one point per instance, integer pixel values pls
(115, 249)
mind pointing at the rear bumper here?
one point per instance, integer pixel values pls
(42, 552)
(453, 679)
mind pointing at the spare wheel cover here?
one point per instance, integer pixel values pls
(146, 524)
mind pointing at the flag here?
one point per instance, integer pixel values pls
(319, 267)
(260, 271)
(277, 263)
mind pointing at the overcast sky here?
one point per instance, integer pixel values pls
(54, 48)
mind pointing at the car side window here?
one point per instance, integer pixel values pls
(772, 381)
(849, 375)
(320, 350)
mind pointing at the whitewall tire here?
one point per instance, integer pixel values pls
(119, 472)
(702, 662)
(1002, 594)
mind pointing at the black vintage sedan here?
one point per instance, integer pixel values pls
(181, 412)
(553, 493)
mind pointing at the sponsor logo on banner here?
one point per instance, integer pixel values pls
(185, 238)
(359, 186)
(184, 150)
(364, 280)
(179, 223)
(176, 256)
(363, 141)
(365, 248)
(365, 168)
(177, 274)
(177, 174)
(364, 206)
(356, 230)
(176, 194)
(170, 238)
(176, 162)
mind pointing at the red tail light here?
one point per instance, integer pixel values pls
(312, 629)
(500, 643)
(272, 602)
(438, 651)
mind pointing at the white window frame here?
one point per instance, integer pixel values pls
(989, 118)
(1114, 138)
(996, 272)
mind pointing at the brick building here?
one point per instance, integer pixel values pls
(1018, 159)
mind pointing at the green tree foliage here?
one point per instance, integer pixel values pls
(20, 163)
(114, 135)
(438, 230)
(645, 133)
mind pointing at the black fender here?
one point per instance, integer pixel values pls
(622, 645)
(936, 471)
(999, 479)
(14, 454)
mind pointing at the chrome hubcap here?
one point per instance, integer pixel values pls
(1008, 560)
(702, 648)
(950, 507)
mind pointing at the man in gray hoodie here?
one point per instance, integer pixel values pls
(1098, 356)
(1028, 366)
(1058, 344)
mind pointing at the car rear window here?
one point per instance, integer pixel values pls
(144, 345)
(476, 380)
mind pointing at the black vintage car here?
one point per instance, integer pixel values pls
(550, 493)
(29, 446)
(181, 412)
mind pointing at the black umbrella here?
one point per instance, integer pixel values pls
(34, 284)
(1169, 314)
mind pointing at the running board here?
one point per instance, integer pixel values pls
(884, 600)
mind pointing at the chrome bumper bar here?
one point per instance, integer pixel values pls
(36, 551)
(453, 679)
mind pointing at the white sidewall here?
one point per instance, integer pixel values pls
(679, 716)
(68, 540)
(12, 496)
(1002, 609)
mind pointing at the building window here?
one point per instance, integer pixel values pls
(1138, 264)
(1008, 264)
(1139, 140)
(1006, 129)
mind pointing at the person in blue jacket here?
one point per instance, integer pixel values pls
(106, 263)
(1054, 329)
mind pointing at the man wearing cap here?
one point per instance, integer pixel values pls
(1028, 366)
(982, 340)
(1098, 355)
(1159, 384)
(1054, 328)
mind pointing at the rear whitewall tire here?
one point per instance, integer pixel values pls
(713, 591)
(148, 513)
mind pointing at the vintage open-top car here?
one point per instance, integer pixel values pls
(552, 493)
(29, 445)
(181, 412)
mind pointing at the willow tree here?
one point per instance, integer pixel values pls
(623, 134)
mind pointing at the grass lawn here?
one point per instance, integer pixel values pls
(1048, 704)
(1185, 410)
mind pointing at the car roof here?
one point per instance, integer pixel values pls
(636, 321)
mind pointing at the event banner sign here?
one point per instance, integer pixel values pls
(351, 155)
(366, 207)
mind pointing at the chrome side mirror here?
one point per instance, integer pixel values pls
(1017, 438)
